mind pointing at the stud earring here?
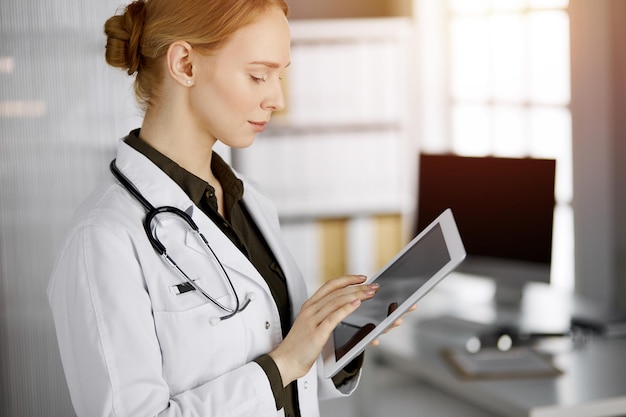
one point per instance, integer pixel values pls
(188, 82)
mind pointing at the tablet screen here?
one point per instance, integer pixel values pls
(397, 283)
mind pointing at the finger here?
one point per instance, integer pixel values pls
(394, 325)
(335, 284)
(355, 339)
(330, 319)
(332, 308)
(400, 320)
(412, 308)
(313, 331)
(324, 300)
(394, 306)
(340, 298)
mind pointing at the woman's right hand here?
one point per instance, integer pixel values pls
(319, 316)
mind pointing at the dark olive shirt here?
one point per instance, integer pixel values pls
(241, 229)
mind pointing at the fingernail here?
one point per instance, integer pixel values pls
(373, 289)
(356, 302)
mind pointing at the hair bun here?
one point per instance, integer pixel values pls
(123, 47)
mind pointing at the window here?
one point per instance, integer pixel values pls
(509, 93)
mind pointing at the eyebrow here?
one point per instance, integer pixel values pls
(268, 64)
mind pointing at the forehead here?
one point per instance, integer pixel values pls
(267, 39)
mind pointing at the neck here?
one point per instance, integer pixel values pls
(175, 138)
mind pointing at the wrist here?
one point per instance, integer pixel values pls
(284, 368)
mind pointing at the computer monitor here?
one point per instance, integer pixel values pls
(504, 208)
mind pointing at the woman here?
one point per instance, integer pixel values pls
(138, 339)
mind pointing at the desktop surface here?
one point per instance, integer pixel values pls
(593, 382)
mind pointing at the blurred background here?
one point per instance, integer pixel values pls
(373, 85)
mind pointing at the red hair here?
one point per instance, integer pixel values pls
(138, 38)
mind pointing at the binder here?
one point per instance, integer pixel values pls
(518, 362)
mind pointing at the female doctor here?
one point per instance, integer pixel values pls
(153, 318)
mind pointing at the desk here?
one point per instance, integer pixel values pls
(594, 379)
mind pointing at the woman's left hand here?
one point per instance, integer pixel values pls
(398, 322)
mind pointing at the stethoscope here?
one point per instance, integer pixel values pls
(152, 213)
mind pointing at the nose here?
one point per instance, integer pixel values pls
(275, 99)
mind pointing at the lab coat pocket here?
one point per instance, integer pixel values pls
(169, 285)
(195, 351)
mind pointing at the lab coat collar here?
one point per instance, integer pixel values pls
(160, 190)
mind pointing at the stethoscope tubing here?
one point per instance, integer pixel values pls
(151, 214)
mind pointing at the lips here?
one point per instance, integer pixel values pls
(258, 126)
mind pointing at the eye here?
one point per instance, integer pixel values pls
(258, 79)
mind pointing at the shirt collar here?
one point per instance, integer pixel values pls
(195, 187)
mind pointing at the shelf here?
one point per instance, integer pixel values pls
(282, 126)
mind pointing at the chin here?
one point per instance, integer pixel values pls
(240, 143)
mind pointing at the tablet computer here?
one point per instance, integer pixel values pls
(408, 277)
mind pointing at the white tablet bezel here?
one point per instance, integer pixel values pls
(457, 253)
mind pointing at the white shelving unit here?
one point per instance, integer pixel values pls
(340, 147)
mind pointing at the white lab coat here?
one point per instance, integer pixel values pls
(130, 346)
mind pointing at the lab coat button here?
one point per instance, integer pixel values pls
(267, 325)
(306, 384)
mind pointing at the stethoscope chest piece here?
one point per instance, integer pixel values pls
(159, 247)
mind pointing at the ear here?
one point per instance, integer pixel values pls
(180, 62)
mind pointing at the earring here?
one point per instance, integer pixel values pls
(189, 82)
